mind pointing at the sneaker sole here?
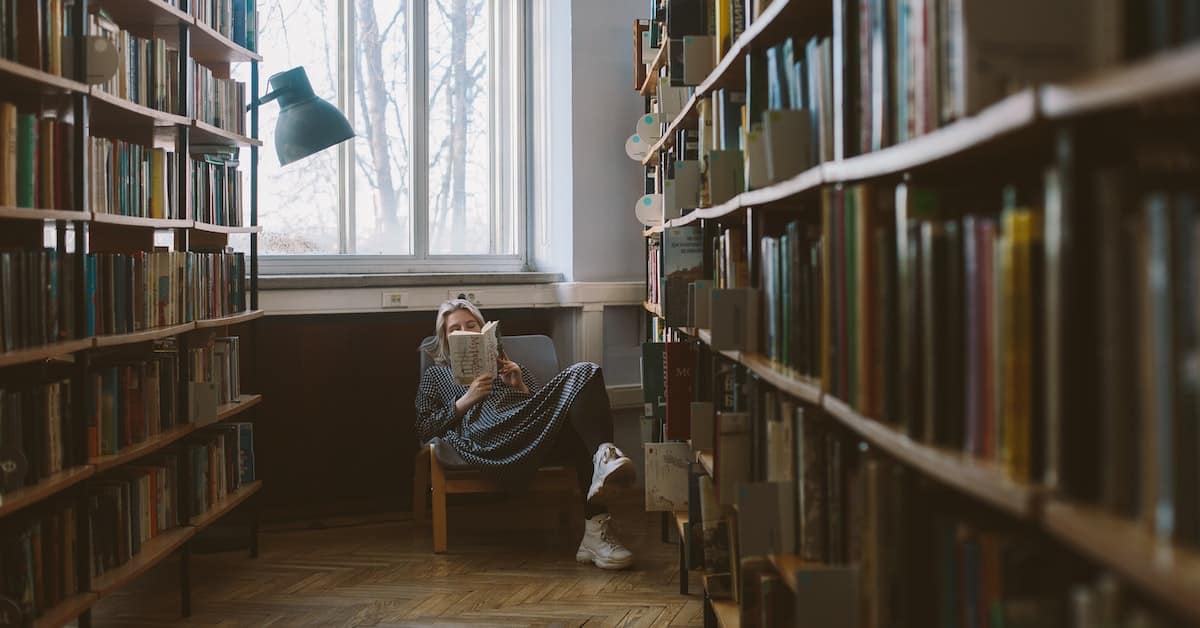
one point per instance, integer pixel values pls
(621, 477)
(586, 556)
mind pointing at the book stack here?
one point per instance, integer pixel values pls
(220, 102)
(217, 185)
(132, 180)
(31, 33)
(133, 400)
(791, 281)
(38, 294)
(36, 422)
(147, 71)
(731, 268)
(144, 290)
(218, 363)
(38, 553)
(220, 461)
(36, 160)
(130, 507)
(235, 19)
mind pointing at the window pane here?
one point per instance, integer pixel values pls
(460, 130)
(298, 204)
(383, 219)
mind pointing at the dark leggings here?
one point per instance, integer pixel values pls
(590, 425)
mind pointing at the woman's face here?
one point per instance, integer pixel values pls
(461, 320)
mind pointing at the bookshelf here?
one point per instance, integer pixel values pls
(983, 466)
(106, 362)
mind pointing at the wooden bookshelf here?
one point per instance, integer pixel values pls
(152, 552)
(15, 500)
(798, 387)
(681, 520)
(110, 110)
(727, 613)
(205, 133)
(705, 458)
(653, 308)
(984, 480)
(650, 85)
(211, 47)
(144, 448)
(140, 222)
(1165, 570)
(44, 352)
(66, 611)
(232, 319)
(33, 79)
(157, 333)
(154, 14)
(203, 226)
(788, 565)
(21, 213)
(232, 501)
(230, 410)
(1165, 74)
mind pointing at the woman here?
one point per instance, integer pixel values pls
(509, 425)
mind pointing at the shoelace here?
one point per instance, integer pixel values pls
(610, 454)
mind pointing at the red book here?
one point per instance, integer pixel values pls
(679, 365)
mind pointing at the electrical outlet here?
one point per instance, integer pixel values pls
(469, 295)
(395, 299)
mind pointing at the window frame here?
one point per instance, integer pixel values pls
(509, 151)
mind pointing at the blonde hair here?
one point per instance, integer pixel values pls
(438, 347)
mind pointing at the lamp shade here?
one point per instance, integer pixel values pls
(307, 124)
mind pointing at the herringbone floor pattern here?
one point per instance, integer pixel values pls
(384, 574)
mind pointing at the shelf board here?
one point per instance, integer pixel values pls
(143, 336)
(43, 80)
(984, 480)
(152, 553)
(205, 133)
(109, 104)
(57, 483)
(232, 319)
(220, 510)
(1006, 117)
(44, 352)
(728, 615)
(787, 565)
(705, 458)
(66, 611)
(649, 231)
(1165, 570)
(139, 221)
(650, 85)
(203, 226)
(209, 46)
(1165, 74)
(22, 213)
(799, 387)
(146, 447)
(681, 518)
(148, 13)
(230, 410)
(653, 308)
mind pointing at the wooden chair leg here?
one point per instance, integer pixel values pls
(438, 485)
(421, 486)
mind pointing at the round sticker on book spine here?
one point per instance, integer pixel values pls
(649, 127)
(13, 466)
(649, 210)
(636, 148)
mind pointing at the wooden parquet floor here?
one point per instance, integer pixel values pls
(383, 573)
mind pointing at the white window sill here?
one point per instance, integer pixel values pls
(397, 280)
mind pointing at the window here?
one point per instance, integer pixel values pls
(435, 177)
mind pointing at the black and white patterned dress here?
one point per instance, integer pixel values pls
(508, 434)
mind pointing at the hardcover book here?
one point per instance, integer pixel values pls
(474, 353)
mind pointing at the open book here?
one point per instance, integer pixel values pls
(474, 353)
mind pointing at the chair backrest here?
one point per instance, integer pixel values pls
(534, 352)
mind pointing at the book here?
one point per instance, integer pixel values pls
(474, 353)
(667, 467)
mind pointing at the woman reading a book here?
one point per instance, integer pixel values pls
(507, 425)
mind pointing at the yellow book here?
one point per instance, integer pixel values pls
(1022, 230)
(827, 201)
(724, 30)
(158, 183)
(8, 155)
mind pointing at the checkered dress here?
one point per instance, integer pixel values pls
(508, 434)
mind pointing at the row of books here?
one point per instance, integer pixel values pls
(235, 19)
(218, 188)
(129, 292)
(791, 292)
(219, 363)
(36, 160)
(38, 561)
(147, 69)
(220, 461)
(39, 291)
(129, 179)
(132, 506)
(36, 434)
(134, 400)
(32, 31)
(220, 102)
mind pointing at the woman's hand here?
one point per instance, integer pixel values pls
(510, 374)
(476, 392)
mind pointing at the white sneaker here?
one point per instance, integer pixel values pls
(600, 547)
(610, 469)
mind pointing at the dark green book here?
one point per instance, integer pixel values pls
(26, 160)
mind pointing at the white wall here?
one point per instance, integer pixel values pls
(605, 108)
